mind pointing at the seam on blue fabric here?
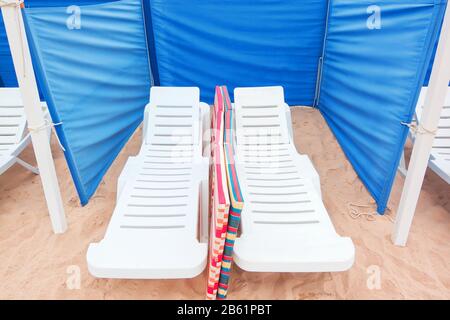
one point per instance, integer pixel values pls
(152, 80)
(318, 82)
(151, 42)
(322, 58)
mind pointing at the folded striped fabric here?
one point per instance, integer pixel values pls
(235, 194)
(220, 199)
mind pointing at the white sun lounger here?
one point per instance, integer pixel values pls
(440, 153)
(285, 226)
(14, 137)
(156, 231)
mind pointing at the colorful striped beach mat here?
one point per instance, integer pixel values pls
(235, 194)
(220, 202)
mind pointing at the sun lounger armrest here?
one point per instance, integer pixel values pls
(205, 127)
(205, 142)
(22, 145)
(202, 182)
(287, 109)
(204, 201)
(145, 126)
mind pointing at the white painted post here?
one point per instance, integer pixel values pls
(435, 99)
(20, 52)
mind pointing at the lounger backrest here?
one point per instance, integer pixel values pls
(442, 139)
(174, 117)
(260, 116)
(12, 119)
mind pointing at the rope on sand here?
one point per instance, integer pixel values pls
(354, 211)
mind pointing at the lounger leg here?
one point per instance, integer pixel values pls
(27, 166)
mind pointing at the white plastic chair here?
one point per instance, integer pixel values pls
(285, 226)
(159, 227)
(14, 137)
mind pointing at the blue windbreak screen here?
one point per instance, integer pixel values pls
(375, 62)
(430, 67)
(92, 64)
(7, 74)
(6, 64)
(238, 43)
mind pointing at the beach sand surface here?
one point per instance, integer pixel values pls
(37, 264)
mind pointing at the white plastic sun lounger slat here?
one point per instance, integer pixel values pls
(13, 132)
(155, 228)
(285, 226)
(440, 153)
(8, 130)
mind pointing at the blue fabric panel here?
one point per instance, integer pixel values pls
(7, 72)
(6, 64)
(239, 43)
(371, 81)
(62, 3)
(430, 67)
(96, 81)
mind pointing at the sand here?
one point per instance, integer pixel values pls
(36, 264)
